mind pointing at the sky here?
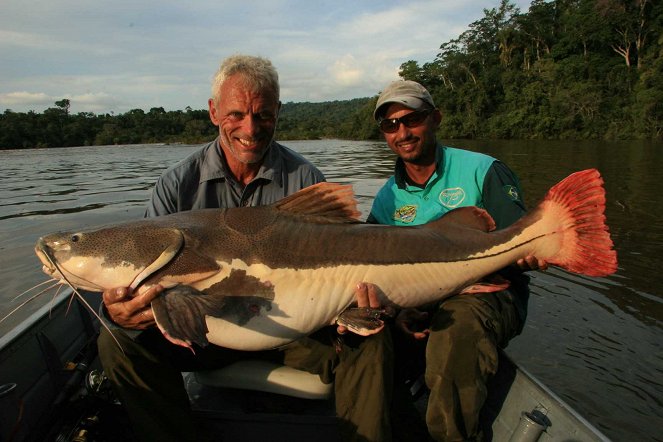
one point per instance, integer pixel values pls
(111, 56)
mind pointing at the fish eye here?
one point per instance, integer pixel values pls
(75, 237)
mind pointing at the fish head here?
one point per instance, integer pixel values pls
(116, 256)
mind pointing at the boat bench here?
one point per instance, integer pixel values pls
(256, 399)
(259, 375)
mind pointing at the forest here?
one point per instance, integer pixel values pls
(564, 69)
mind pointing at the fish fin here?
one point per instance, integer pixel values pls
(490, 284)
(243, 298)
(323, 203)
(576, 206)
(188, 267)
(166, 257)
(180, 315)
(364, 321)
(470, 217)
(186, 278)
(180, 311)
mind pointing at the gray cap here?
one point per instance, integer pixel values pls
(406, 92)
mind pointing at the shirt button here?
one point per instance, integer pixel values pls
(245, 203)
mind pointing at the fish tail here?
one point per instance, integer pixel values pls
(577, 205)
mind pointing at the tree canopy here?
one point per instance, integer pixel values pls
(564, 69)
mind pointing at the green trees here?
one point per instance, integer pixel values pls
(564, 69)
(348, 119)
(56, 127)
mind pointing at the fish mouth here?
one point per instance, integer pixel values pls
(50, 267)
(42, 251)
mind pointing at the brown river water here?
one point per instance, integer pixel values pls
(596, 342)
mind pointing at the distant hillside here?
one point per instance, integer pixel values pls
(348, 119)
(56, 127)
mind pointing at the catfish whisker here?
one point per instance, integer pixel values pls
(75, 291)
(55, 296)
(71, 300)
(48, 281)
(96, 315)
(27, 301)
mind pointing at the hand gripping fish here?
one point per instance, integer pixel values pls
(260, 277)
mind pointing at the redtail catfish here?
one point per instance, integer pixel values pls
(260, 277)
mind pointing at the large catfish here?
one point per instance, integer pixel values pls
(260, 277)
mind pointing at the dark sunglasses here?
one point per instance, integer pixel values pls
(413, 119)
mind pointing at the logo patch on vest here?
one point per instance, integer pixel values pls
(406, 214)
(511, 192)
(452, 197)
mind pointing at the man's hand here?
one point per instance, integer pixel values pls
(409, 321)
(128, 311)
(531, 263)
(368, 295)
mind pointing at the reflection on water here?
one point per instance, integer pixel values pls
(595, 341)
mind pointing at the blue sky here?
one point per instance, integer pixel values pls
(118, 55)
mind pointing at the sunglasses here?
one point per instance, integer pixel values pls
(413, 119)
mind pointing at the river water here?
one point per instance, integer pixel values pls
(596, 342)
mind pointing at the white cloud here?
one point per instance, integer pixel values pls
(346, 71)
(90, 102)
(116, 55)
(24, 98)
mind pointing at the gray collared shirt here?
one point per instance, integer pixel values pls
(202, 181)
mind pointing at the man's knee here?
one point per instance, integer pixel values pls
(109, 346)
(462, 341)
(457, 319)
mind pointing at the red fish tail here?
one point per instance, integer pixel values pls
(578, 204)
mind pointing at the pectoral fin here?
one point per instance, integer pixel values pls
(180, 315)
(364, 321)
(180, 311)
(166, 257)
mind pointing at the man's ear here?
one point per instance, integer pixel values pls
(437, 116)
(212, 112)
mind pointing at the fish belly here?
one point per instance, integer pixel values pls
(306, 300)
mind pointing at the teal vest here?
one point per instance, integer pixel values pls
(456, 182)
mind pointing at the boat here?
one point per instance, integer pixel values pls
(53, 389)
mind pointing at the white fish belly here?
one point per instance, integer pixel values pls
(304, 301)
(308, 299)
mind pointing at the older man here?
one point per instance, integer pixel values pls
(244, 166)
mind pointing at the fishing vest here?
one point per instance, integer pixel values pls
(456, 182)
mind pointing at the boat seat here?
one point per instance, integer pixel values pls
(254, 374)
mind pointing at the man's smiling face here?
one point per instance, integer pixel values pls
(246, 119)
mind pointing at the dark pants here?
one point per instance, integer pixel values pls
(461, 355)
(146, 374)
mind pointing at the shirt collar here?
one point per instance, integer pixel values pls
(400, 174)
(215, 166)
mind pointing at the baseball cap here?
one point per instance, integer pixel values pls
(407, 92)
